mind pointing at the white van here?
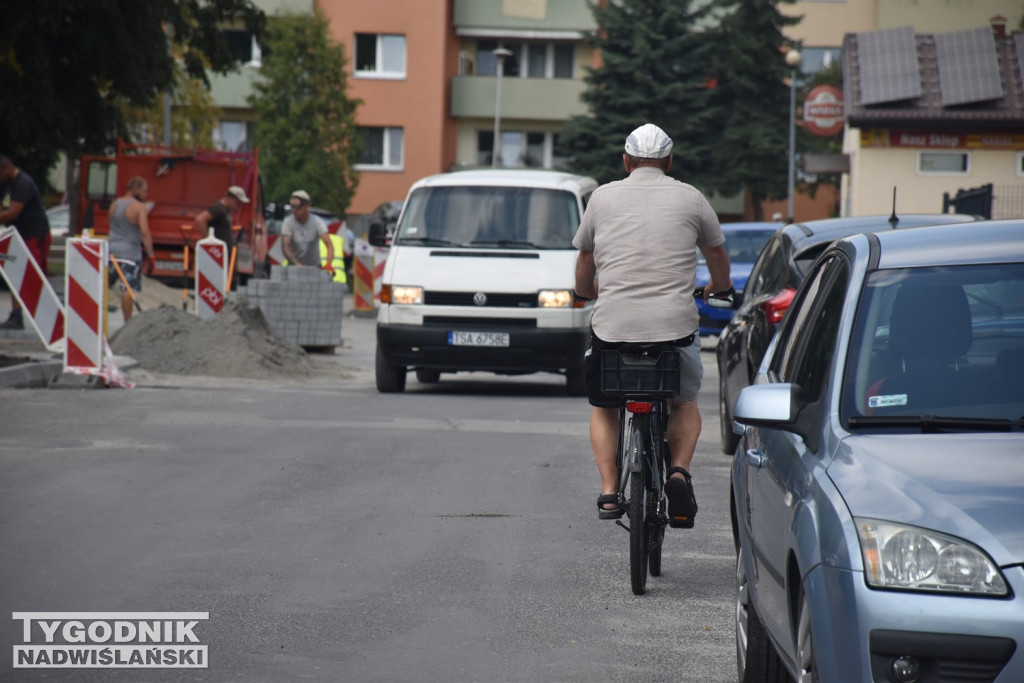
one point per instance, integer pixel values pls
(480, 277)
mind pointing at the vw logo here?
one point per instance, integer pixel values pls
(480, 299)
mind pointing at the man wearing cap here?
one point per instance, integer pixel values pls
(302, 232)
(218, 216)
(638, 259)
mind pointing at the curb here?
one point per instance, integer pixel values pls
(31, 374)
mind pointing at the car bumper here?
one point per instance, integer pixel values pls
(529, 350)
(859, 632)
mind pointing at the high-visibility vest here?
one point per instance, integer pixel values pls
(339, 259)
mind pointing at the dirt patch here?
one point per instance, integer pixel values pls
(238, 342)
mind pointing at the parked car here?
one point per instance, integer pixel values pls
(59, 219)
(780, 268)
(878, 491)
(743, 241)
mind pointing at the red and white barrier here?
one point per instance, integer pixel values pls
(211, 276)
(30, 287)
(84, 289)
(86, 351)
(275, 250)
(362, 266)
(380, 259)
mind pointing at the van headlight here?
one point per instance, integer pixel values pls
(401, 294)
(911, 558)
(554, 298)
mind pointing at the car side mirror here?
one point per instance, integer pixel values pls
(768, 405)
(378, 235)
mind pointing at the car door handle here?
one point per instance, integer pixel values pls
(755, 458)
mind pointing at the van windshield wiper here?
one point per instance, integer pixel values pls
(432, 241)
(930, 424)
(509, 243)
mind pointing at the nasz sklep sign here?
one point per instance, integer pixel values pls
(110, 640)
(823, 110)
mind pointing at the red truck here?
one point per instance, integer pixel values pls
(182, 182)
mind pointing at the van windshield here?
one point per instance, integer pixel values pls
(490, 217)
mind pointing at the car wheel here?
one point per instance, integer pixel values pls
(756, 658)
(575, 382)
(730, 439)
(390, 378)
(805, 643)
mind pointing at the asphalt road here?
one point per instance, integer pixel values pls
(445, 534)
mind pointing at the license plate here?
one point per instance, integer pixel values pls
(169, 265)
(478, 338)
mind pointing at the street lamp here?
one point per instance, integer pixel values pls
(792, 61)
(501, 54)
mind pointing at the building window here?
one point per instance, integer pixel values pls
(1020, 164)
(232, 136)
(519, 149)
(380, 56)
(943, 163)
(528, 60)
(382, 148)
(816, 59)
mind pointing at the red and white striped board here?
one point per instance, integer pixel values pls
(380, 259)
(85, 284)
(275, 250)
(362, 267)
(30, 287)
(211, 276)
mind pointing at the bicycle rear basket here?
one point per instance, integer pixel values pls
(625, 373)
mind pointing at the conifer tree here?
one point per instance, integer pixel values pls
(305, 126)
(656, 68)
(752, 97)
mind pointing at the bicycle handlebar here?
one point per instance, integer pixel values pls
(724, 299)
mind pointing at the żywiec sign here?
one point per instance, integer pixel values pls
(824, 111)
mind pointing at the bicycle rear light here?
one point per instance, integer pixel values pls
(639, 406)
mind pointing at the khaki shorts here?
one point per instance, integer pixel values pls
(691, 370)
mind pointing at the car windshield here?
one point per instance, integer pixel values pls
(934, 346)
(743, 245)
(490, 217)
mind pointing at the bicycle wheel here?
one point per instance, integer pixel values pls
(638, 548)
(655, 537)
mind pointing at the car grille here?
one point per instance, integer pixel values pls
(494, 300)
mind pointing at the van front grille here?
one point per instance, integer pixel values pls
(493, 300)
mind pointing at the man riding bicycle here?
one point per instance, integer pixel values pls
(638, 244)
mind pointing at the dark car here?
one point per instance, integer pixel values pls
(743, 241)
(878, 490)
(780, 268)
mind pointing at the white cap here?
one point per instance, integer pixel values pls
(301, 195)
(238, 193)
(648, 142)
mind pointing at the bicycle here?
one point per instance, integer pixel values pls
(645, 376)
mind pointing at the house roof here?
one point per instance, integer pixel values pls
(1003, 110)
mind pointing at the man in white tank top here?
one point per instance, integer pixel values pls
(130, 241)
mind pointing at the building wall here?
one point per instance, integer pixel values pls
(875, 171)
(418, 103)
(824, 23)
(940, 16)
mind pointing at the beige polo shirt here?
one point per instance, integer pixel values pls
(644, 232)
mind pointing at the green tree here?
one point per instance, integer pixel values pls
(194, 115)
(752, 95)
(305, 121)
(655, 69)
(66, 68)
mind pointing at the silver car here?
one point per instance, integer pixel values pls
(878, 488)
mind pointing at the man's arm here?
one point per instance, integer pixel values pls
(718, 268)
(10, 214)
(325, 237)
(286, 247)
(586, 271)
(202, 223)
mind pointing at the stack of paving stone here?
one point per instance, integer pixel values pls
(302, 304)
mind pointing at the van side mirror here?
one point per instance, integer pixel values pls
(378, 235)
(278, 211)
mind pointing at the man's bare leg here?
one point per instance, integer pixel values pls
(604, 436)
(684, 425)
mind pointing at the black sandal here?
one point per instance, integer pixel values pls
(682, 504)
(605, 513)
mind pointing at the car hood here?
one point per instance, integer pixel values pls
(738, 271)
(966, 485)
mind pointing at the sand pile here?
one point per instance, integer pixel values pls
(236, 343)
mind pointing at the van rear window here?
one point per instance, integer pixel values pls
(490, 217)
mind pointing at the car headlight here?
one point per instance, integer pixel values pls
(554, 298)
(400, 294)
(911, 558)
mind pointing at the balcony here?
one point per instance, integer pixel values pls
(541, 99)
